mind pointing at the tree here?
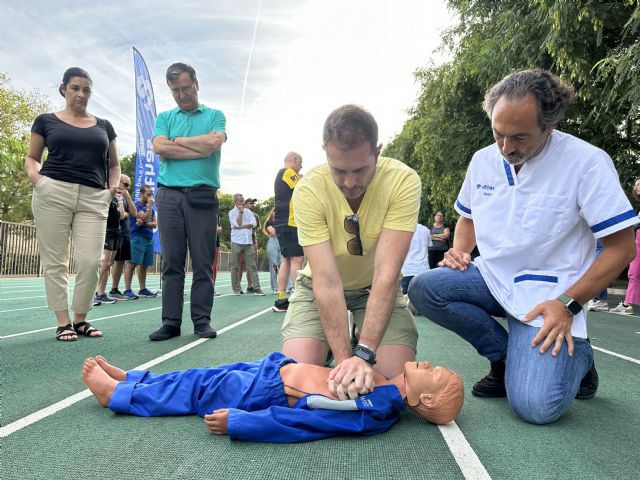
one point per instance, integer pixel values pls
(18, 109)
(593, 45)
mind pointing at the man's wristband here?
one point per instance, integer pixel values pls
(365, 353)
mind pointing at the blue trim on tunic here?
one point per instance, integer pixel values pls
(613, 221)
(537, 278)
(507, 169)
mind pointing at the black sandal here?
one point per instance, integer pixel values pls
(66, 331)
(86, 329)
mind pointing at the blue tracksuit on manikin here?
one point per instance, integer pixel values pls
(258, 409)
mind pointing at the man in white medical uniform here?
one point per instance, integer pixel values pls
(533, 203)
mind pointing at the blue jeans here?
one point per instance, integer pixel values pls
(273, 250)
(539, 387)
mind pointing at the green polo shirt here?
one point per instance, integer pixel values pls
(197, 171)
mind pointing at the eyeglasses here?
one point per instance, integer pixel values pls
(352, 226)
(184, 90)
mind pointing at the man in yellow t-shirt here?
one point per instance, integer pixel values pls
(355, 216)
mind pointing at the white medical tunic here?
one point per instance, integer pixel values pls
(535, 230)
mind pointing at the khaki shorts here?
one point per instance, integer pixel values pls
(303, 320)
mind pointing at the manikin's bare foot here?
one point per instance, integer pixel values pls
(114, 372)
(98, 381)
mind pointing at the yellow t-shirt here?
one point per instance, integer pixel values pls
(391, 201)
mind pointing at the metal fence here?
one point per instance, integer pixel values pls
(19, 253)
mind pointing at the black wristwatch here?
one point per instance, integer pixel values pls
(365, 353)
(573, 307)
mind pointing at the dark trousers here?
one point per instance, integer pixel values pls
(435, 256)
(181, 226)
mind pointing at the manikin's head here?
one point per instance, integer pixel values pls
(434, 393)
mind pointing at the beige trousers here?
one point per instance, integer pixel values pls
(62, 210)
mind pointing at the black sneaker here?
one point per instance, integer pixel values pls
(250, 289)
(115, 293)
(491, 386)
(588, 384)
(204, 331)
(104, 298)
(281, 305)
(165, 332)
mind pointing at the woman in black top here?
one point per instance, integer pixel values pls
(440, 237)
(71, 197)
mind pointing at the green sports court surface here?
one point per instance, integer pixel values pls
(53, 429)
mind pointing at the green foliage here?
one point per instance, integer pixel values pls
(18, 109)
(593, 45)
(128, 165)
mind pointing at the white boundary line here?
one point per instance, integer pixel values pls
(98, 319)
(465, 457)
(67, 402)
(619, 355)
(44, 306)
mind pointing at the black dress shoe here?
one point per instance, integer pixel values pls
(492, 386)
(588, 384)
(165, 332)
(204, 331)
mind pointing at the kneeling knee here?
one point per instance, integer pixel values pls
(538, 409)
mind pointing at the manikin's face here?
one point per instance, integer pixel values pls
(423, 378)
(352, 170)
(516, 129)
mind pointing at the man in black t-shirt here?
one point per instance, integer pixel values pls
(286, 229)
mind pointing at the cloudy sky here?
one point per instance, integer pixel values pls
(309, 57)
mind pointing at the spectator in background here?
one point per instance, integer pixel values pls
(188, 139)
(116, 212)
(632, 296)
(141, 227)
(123, 252)
(242, 222)
(417, 260)
(292, 254)
(273, 249)
(71, 197)
(440, 237)
(250, 204)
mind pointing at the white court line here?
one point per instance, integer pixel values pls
(619, 355)
(98, 319)
(21, 298)
(465, 457)
(67, 402)
(44, 306)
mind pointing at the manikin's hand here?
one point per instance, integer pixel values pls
(556, 327)
(455, 259)
(352, 377)
(218, 421)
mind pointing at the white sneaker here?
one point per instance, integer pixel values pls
(597, 306)
(622, 310)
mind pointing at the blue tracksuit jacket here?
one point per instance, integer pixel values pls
(258, 409)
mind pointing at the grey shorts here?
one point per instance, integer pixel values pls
(303, 320)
